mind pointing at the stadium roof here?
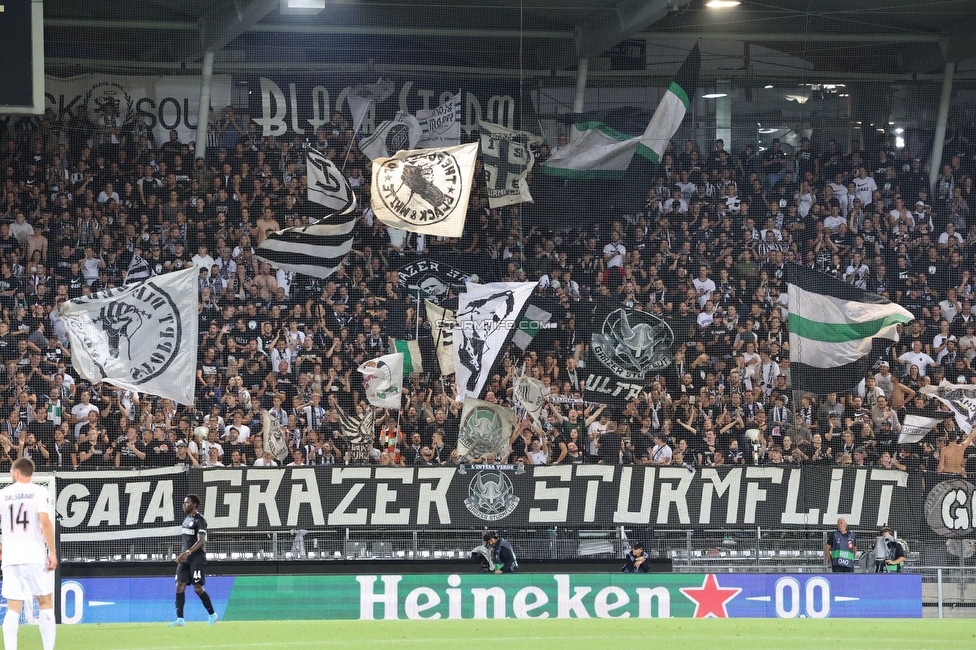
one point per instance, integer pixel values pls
(881, 39)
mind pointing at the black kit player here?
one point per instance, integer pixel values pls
(192, 562)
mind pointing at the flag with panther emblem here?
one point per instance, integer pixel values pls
(141, 338)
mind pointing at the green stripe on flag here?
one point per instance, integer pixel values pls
(603, 128)
(408, 355)
(841, 332)
(680, 93)
(584, 174)
(646, 152)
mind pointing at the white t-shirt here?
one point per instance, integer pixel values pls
(20, 508)
(616, 253)
(80, 413)
(538, 457)
(922, 360)
(661, 454)
(865, 189)
(708, 285)
(832, 223)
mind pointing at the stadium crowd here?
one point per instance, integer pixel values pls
(86, 203)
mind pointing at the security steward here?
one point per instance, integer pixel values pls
(502, 553)
(841, 549)
(636, 560)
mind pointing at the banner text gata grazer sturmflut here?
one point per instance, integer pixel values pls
(132, 505)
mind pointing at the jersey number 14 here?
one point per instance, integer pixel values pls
(20, 519)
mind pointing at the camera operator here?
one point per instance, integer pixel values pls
(502, 555)
(889, 555)
(636, 561)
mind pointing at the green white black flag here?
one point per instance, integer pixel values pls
(597, 151)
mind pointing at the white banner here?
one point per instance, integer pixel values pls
(143, 338)
(442, 331)
(960, 398)
(383, 380)
(486, 318)
(425, 191)
(167, 102)
(916, 427)
(399, 134)
(441, 126)
(507, 159)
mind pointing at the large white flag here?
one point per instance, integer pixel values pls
(425, 191)
(442, 331)
(366, 96)
(401, 133)
(961, 400)
(441, 126)
(143, 338)
(383, 380)
(326, 184)
(507, 159)
(486, 319)
(531, 394)
(916, 427)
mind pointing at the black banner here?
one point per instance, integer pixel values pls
(120, 505)
(627, 346)
(290, 106)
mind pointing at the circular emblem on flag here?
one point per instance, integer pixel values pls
(422, 189)
(633, 343)
(397, 138)
(948, 507)
(491, 496)
(481, 434)
(137, 335)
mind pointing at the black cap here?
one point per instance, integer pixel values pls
(639, 545)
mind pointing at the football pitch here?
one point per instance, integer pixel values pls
(751, 634)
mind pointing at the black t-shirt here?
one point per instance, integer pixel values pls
(192, 526)
(129, 457)
(161, 453)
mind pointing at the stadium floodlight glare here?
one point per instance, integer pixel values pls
(302, 7)
(714, 95)
(722, 4)
(768, 86)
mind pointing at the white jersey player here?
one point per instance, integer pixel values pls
(27, 553)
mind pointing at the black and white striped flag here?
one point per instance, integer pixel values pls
(316, 250)
(326, 184)
(138, 271)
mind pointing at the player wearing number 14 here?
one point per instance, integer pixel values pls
(192, 562)
(28, 554)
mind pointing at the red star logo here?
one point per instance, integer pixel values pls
(710, 599)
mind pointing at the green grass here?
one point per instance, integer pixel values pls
(751, 634)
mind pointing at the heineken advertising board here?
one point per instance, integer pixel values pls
(479, 596)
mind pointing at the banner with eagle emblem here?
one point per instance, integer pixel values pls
(141, 338)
